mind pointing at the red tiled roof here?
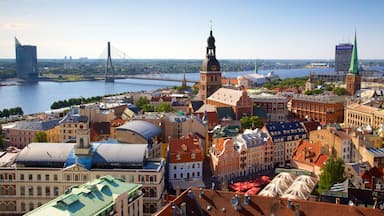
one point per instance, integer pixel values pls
(309, 153)
(181, 150)
(212, 202)
(117, 122)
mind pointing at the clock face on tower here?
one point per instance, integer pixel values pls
(213, 67)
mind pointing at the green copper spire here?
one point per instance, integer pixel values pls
(354, 66)
(256, 68)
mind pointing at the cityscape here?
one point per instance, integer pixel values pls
(187, 128)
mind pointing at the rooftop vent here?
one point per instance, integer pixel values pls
(247, 199)
(235, 202)
(201, 192)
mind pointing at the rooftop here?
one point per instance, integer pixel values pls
(226, 96)
(91, 198)
(145, 129)
(214, 202)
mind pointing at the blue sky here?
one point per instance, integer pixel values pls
(270, 29)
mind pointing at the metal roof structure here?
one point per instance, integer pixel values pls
(143, 128)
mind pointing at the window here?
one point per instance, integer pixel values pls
(22, 205)
(22, 177)
(22, 190)
(11, 190)
(47, 177)
(174, 176)
(174, 167)
(76, 177)
(31, 206)
(47, 191)
(39, 192)
(55, 177)
(30, 177)
(38, 177)
(68, 177)
(181, 175)
(30, 191)
(56, 191)
(85, 177)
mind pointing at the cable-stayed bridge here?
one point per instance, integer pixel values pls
(110, 74)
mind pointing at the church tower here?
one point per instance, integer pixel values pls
(82, 146)
(353, 78)
(210, 74)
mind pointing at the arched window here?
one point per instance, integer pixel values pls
(11, 206)
(152, 208)
(2, 206)
(76, 177)
(11, 190)
(2, 191)
(38, 177)
(30, 190)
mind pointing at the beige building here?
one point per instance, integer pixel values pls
(275, 106)
(334, 142)
(42, 171)
(69, 125)
(175, 126)
(357, 115)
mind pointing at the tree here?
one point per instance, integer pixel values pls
(332, 173)
(164, 107)
(339, 91)
(251, 122)
(6, 113)
(141, 102)
(40, 136)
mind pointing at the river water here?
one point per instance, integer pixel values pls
(38, 97)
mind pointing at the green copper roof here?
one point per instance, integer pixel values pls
(354, 66)
(93, 198)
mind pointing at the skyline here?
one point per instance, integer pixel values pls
(151, 29)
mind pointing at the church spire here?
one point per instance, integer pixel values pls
(354, 66)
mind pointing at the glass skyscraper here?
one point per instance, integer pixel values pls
(26, 61)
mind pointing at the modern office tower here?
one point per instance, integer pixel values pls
(26, 61)
(210, 74)
(343, 55)
(353, 78)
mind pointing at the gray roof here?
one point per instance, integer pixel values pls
(48, 152)
(74, 118)
(145, 129)
(121, 153)
(36, 125)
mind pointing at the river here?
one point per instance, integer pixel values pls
(38, 97)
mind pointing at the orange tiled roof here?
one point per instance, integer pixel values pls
(117, 122)
(181, 150)
(309, 153)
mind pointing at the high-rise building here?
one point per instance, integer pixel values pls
(210, 74)
(343, 53)
(353, 78)
(26, 61)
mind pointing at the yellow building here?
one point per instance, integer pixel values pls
(357, 115)
(42, 171)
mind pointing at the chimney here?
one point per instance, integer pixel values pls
(337, 200)
(183, 207)
(177, 190)
(297, 210)
(289, 204)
